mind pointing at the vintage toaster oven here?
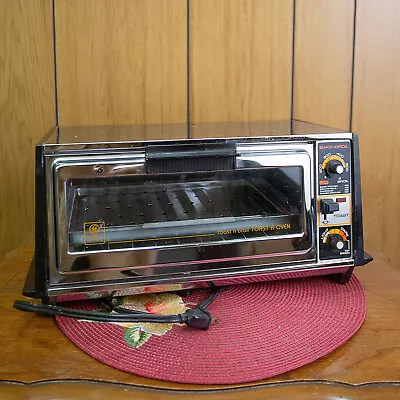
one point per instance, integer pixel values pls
(119, 214)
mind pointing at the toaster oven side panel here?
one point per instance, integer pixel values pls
(37, 280)
(360, 257)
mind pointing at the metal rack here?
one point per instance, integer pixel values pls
(165, 214)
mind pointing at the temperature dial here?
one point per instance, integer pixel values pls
(336, 240)
(333, 165)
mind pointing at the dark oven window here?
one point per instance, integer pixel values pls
(169, 210)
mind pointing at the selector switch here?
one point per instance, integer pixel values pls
(328, 206)
(334, 167)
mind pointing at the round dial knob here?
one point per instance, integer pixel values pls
(335, 242)
(334, 167)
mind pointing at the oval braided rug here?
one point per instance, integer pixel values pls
(261, 330)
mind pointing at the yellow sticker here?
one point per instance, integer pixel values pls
(94, 233)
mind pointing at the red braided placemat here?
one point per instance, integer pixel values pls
(262, 330)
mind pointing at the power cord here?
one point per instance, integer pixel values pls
(197, 317)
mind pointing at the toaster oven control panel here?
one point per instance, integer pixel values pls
(334, 199)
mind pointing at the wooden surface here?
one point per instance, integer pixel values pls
(104, 391)
(376, 109)
(121, 62)
(26, 109)
(240, 59)
(33, 349)
(323, 61)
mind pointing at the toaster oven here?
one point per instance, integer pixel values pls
(116, 213)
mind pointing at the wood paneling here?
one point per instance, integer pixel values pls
(323, 61)
(240, 59)
(376, 119)
(26, 109)
(121, 62)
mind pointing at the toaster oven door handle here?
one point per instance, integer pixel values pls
(190, 158)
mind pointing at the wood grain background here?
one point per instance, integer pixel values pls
(26, 110)
(323, 61)
(128, 61)
(240, 59)
(376, 118)
(121, 62)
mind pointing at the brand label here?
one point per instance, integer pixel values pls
(94, 233)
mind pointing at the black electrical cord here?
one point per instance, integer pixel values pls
(205, 303)
(196, 317)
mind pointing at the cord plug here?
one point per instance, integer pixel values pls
(198, 318)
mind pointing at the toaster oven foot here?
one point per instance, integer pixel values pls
(344, 277)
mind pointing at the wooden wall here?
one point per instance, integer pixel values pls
(376, 118)
(26, 110)
(323, 61)
(121, 62)
(151, 61)
(240, 59)
(126, 61)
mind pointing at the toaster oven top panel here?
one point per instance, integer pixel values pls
(115, 135)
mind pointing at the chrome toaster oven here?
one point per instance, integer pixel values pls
(116, 213)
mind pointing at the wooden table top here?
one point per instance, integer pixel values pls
(38, 362)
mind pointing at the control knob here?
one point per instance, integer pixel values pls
(334, 167)
(335, 242)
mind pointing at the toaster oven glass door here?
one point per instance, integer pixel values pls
(258, 212)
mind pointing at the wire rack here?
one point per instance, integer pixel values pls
(172, 213)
